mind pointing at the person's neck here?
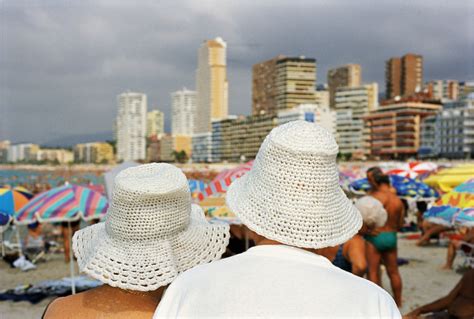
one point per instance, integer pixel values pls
(383, 188)
(322, 252)
(154, 295)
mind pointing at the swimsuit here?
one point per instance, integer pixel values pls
(384, 241)
(341, 262)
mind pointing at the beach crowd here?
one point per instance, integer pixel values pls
(313, 252)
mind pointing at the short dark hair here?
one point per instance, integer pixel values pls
(379, 176)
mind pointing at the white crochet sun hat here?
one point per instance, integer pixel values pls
(292, 193)
(151, 234)
(372, 211)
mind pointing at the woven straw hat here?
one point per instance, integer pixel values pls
(151, 234)
(292, 193)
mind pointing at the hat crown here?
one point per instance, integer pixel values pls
(303, 137)
(150, 202)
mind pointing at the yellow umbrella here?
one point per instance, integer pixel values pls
(449, 178)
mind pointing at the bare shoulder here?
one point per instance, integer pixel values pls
(65, 307)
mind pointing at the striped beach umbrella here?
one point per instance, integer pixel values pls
(413, 169)
(222, 181)
(24, 191)
(196, 185)
(66, 203)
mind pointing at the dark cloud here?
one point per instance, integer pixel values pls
(62, 63)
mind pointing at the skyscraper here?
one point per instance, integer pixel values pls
(155, 123)
(344, 76)
(403, 76)
(352, 104)
(211, 85)
(282, 83)
(183, 110)
(131, 126)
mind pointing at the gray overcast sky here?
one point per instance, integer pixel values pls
(62, 63)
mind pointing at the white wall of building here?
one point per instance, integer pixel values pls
(183, 112)
(131, 126)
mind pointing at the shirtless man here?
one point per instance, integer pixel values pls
(383, 242)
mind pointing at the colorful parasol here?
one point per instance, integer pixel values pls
(455, 207)
(448, 178)
(413, 169)
(405, 187)
(24, 191)
(222, 181)
(10, 202)
(196, 185)
(66, 203)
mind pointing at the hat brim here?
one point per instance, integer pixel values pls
(148, 266)
(342, 223)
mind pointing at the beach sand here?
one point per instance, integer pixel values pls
(423, 281)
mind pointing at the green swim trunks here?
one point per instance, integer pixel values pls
(384, 241)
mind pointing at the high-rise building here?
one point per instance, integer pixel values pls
(155, 123)
(450, 133)
(131, 126)
(352, 104)
(394, 130)
(211, 85)
(403, 76)
(264, 86)
(23, 152)
(183, 112)
(443, 89)
(348, 75)
(282, 83)
(4, 146)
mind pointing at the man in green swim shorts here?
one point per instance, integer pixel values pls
(382, 247)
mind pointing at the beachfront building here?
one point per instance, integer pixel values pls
(321, 97)
(320, 114)
(466, 88)
(282, 83)
(155, 123)
(131, 125)
(352, 104)
(394, 129)
(166, 148)
(403, 75)
(183, 112)
(238, 139)
(24, 152)
(211, 85)
(202, 147)
(450, 133)
(348, 75)
(4, 145)
(153, 150)
(96, 153)
(183, 143)
(443, 89)
(58, 156)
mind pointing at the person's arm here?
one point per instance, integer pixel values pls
(354, 251)
(438, 305)
(401, 220)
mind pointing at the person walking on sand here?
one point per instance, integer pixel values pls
(297, 215)
(382, 246)
(151, 234)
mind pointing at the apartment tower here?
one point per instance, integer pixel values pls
(403, 75)
(283, 83)
(344, 76)
(183, 109)
(211, 85)
(131, 125)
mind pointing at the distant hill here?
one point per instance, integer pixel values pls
(71, 140)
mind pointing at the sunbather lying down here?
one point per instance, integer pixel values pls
(459, 303)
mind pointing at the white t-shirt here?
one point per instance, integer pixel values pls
(274, 281)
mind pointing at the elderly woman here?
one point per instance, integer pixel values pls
(151, 234)
(351, 255)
